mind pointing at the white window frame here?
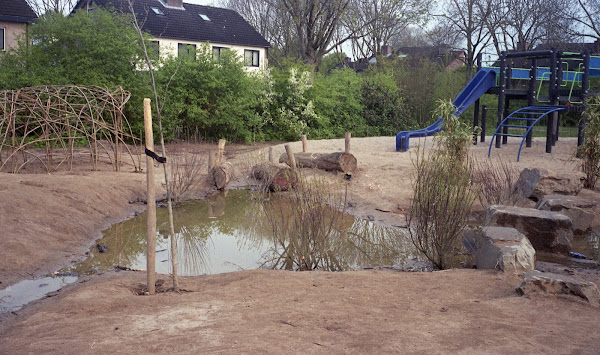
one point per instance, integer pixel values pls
(249, 61)
(3, 48)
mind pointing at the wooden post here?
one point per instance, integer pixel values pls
(304, 143)
(211, 160)
(151, 197)
(271, 154)
(291, 157)
(348, 136)
(221, 152)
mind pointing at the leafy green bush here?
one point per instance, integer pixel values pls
(383, 104)
(99, 48)
(217, 98)
(336, 99)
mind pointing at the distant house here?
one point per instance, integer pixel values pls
(179, 28)
(442, 55)
(15, 18)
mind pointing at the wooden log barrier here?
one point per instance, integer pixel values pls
(339, 161)
(274, 177)
(221, 175)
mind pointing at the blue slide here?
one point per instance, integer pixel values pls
(481, 82)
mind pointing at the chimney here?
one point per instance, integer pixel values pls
(175, 3)
(386, 50)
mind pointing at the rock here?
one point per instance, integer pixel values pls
(102, 248)
(546, 230)
(581, 211)
(505, 249)
(535, 183)
(546, 282)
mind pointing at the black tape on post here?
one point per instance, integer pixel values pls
(155, 156)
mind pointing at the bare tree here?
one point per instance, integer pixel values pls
(272, 22)
(375, 23)
(316, 23)
(584, 18)
(468, 18)
(42, 6)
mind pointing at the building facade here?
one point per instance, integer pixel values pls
(15, 18)
(179, 28)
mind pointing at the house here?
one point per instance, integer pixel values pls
(442, 55)
(179, 28)
(15, 18)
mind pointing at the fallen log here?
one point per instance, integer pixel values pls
(274, 177)
(220, 176)
(340, 161)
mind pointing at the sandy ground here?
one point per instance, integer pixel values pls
(47, 221)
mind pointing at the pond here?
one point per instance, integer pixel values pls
(229, 231)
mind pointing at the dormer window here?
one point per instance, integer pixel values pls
(204, 17)
(157, 11)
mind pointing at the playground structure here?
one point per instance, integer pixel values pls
(561, 86)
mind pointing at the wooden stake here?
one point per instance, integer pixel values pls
(304, 143)
(151, 197)
(291, 157)
(221, 152)
(271, 154)
(348, 135)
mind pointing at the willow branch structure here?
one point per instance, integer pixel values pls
(36, 122)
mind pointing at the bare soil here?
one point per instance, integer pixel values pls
(50, 220)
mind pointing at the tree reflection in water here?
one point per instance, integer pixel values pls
(231, 231)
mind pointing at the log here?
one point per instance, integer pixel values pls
(221, 175)
(274, 177)
(339, 161)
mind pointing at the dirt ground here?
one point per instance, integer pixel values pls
(50, 220)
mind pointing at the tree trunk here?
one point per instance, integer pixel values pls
(344, 162)
(221, 175)
(274, 177)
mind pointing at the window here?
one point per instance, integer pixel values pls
(251, 58)
(157, 11)
(217, 51)
(204, 17)
(186, 50)
(2, 48)
(154, 49)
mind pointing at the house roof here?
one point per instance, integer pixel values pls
(16, 11)
(223, 25)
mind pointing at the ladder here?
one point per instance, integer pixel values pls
(521, 122)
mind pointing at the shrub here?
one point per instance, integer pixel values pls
(383, 105)
(442, 196)
(215, 97)
(494, 182)
(336, 100)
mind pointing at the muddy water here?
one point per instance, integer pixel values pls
(16, 296)
(228, 232)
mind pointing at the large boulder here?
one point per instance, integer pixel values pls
(581, 211)
(505, 249)
(549, 283)
(535, 183)
(546, 230)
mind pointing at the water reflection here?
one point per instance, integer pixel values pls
(229, 232)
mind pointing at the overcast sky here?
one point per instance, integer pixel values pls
(202, 2)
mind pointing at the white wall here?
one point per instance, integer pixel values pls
(169, 47)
